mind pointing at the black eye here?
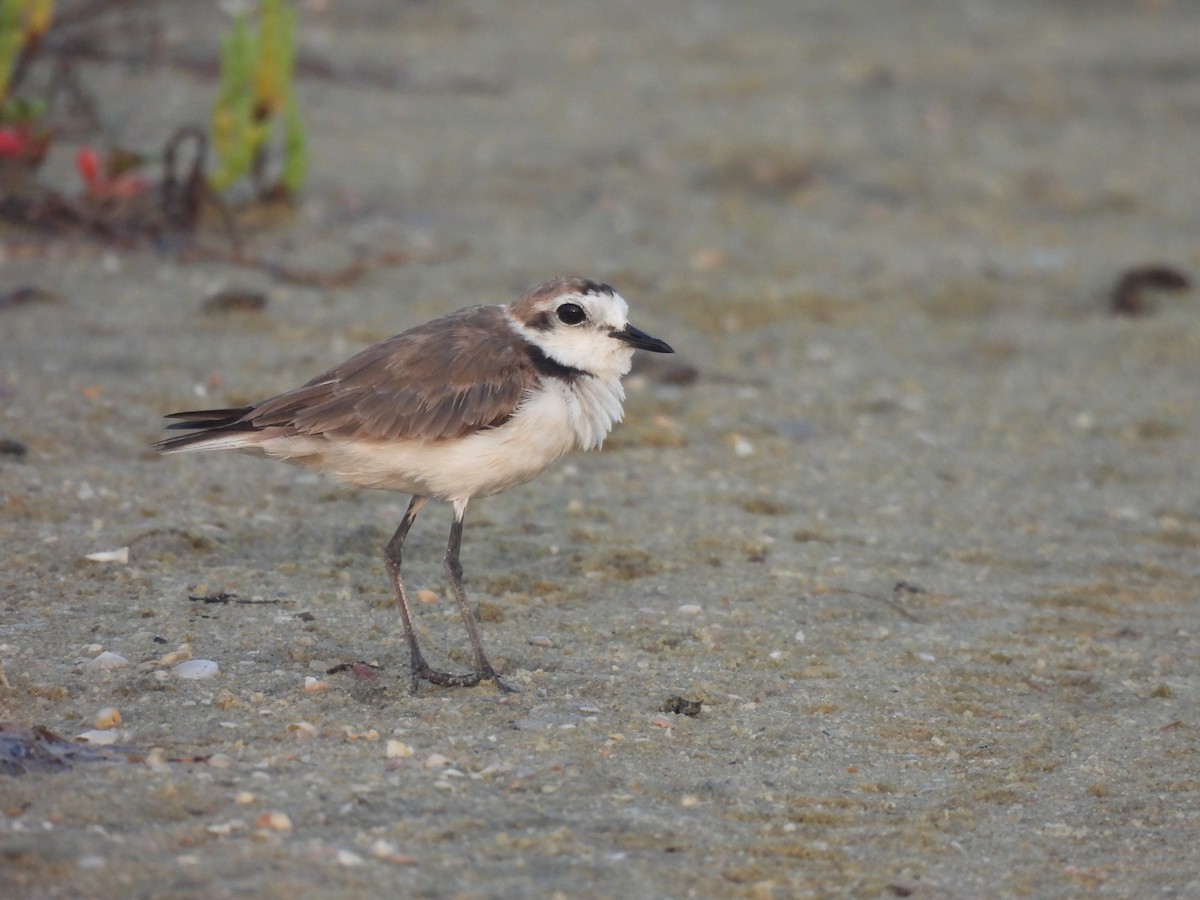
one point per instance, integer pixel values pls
(571, 314)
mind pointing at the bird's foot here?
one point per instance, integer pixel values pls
(424, 672)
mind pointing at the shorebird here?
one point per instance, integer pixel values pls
(468, 405)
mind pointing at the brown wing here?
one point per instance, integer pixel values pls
(466, 371)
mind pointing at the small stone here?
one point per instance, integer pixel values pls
(156, 760)
(741, 446)
(244, 797)
(540, 640)
(386, 851)
(427, 596)
(108, 717)
(691, 609)
(303, 731)
(108, 660)
(316, 685)
(196, 668)
(274, 821)
(662, 722)
(398, 750)
(98, 736)
(435, 761)
(222, 761)
(348, 858)
(175, 657)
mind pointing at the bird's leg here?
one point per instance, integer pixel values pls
(421, 670)
(483, 668)
(391, 554)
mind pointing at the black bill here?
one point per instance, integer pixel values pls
(635, 337)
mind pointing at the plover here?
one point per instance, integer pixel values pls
(468, 405)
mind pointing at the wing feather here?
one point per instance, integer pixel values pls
(450, 377)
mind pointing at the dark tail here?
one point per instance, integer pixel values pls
(205, 425)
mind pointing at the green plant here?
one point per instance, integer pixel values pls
(22, 24)
(256, 97)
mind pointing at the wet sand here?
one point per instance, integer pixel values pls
(883, 247)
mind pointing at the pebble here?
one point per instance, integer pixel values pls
(398, 750)
(425, 595)
(108, 660)
(275, 821)
(349, 858)
(662, 722)
(175, 657)
(221, 761)
(540, 640)
(435, 761)
(98, 736)
(691, 609)
(386, 851)
(316, 685)
(196, 668)
(108, 717)
(303, 731)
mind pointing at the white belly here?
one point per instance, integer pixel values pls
(550, 423)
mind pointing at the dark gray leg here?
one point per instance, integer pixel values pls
(483, 668)
(420, 669)
(391, 556)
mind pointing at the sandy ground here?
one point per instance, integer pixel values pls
(883, 242)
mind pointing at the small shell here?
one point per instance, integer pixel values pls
(275, 821)
(175, 657)
(196, 668)
(108, 717)
(108, 660)
(398, 749)
(316, 685)
(97, 737)
(118, 556)
(303, 731)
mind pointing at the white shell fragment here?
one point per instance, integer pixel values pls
(274, 821)
(398, 749)
(120, 555)
(316, 685)
(303, 731)
(108, 660)
(196, 668)
(98, 736)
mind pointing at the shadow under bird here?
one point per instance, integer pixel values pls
(468, 405)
